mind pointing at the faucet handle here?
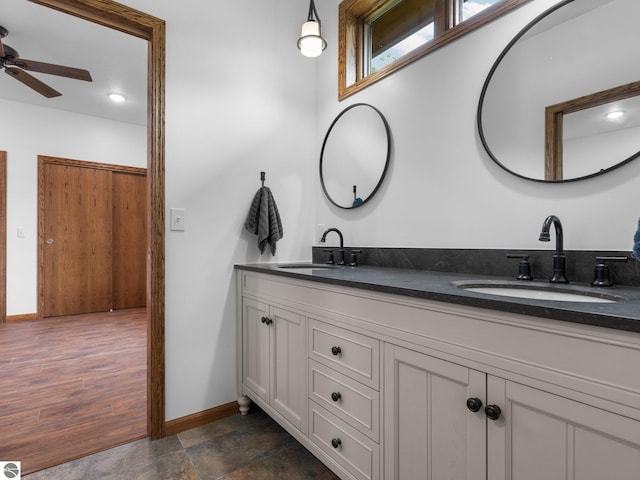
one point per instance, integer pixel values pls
(601, 271)
(329, 256)
(524, 269)
(354, 258)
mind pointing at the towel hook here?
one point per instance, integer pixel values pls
(262, 177)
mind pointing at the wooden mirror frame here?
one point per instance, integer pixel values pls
(139, 24)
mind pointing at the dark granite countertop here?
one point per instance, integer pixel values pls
(441, 286)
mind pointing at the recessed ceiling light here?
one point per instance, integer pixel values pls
(116, 97)
(615, 115)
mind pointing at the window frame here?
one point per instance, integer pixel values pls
(353, 16)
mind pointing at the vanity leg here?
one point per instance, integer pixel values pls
(244, 402)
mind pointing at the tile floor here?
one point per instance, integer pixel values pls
(251, 447)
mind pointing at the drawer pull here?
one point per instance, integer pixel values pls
(336, 351)
(335, 396)
(493, 412)
(266, 320)
(474, 404)
(336, 442)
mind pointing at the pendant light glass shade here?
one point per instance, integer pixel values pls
(311, 43)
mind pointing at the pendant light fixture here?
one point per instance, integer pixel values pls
(311, 43)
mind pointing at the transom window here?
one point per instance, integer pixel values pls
(378, 37)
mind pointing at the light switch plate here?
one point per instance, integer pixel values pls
(177, 219)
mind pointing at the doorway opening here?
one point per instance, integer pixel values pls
(139, 24)
(151, 29)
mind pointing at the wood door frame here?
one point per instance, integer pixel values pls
(139, 24)
(66, 162)
(3, 237)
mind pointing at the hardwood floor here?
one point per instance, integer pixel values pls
(71, 386)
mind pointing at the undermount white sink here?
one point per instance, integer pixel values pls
(540, 291)
(314, 266)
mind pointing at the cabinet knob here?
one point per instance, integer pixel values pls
(493, 412)
(336, 351)
(336, 442)
(266, 320)
(474, 404)
(335, 396)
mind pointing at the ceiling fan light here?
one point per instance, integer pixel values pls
(116, 97)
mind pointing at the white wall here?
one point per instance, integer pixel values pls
(29, 131)
(240, 100)
(442, 189)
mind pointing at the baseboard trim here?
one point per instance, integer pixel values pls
(173, 427)
(21, 318)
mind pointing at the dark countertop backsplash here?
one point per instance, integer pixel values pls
(579, 263)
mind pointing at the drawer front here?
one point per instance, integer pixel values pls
(347, 399)
(350, 353)
(357, 453)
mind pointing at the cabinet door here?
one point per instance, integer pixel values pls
(255, 348)
(429, 432)
(288, 374)
(543, 435)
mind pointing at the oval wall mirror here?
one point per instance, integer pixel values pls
(562, 101)
(355, 155)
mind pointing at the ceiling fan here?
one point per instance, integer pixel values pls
(16, 67)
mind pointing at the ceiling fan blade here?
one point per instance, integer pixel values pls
(32, 82)
(51, 69)
(1, 48)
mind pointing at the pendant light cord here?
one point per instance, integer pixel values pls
(312, 12)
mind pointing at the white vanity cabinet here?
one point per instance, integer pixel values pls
(274, 358)
(429, 433)
(344, 401)
(382, 386)
(542, 435)
(528, 434)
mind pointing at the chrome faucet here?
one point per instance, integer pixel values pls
(341, 250)
(558, 257)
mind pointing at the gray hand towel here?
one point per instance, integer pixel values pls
(264, 220)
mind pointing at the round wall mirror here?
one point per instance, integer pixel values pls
(355, 156)
(562, 101)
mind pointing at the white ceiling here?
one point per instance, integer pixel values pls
(117, 62)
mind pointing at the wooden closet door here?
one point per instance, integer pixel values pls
(77, 237)
(129, 240)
